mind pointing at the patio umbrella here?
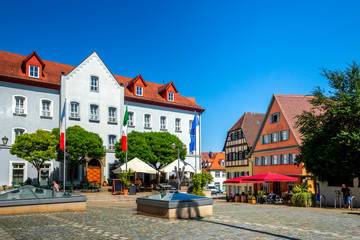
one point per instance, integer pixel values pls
(269, 177)
(235, 180)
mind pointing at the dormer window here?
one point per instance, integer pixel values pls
(139, 90)
(33, 71)
(170, 96)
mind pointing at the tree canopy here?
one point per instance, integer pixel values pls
(331, 130)
(151, 147)
(36, 148)
(81, 146)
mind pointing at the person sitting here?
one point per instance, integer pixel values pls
(272, 197)
(138, 181)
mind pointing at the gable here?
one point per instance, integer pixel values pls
(270, 128)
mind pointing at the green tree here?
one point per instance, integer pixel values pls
(331, 130)
(151, 147)
(36, 148)
(81, 146)
(199, 182)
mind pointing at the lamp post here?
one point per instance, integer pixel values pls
(5, 140)
(173, 146)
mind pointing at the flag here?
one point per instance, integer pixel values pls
(62, 128)
(124, 131)
(193, 133)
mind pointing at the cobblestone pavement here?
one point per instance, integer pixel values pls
(230, 221)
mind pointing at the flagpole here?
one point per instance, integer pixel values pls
(65, 148)
(199, 140)
(196, 171)
(126, 144)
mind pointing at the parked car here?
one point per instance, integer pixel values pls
(213, 189)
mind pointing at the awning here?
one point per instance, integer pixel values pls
(136, 165)
(171, 167)
(269, 177)
(235, 180)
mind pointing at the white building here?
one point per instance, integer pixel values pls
(34, 90)
(215, 165)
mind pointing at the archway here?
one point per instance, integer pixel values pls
(93, 171)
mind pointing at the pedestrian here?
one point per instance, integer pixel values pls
(55, 187)
(346, 196)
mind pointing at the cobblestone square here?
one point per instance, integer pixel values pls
(230, 221)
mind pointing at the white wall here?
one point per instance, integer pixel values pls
(329, 192)
(140, 109)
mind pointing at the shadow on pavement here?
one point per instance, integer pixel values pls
(246, 229)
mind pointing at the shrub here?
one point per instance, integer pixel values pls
(301, 199)
(250, 197)
(199, 181)
(261, 193)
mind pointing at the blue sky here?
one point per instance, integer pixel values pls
(230, 55)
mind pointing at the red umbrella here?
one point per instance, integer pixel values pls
(269, 177)
(235, 180)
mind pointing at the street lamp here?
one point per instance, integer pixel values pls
(5, 140)
(173, 146)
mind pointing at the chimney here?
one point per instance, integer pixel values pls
(210, 154)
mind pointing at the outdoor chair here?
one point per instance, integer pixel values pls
(85, 187)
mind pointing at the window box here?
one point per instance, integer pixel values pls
(94, 121)
(45, 117)
(112, 123)
(74, 119)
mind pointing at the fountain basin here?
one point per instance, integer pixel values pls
(175, 205)
(32, 199)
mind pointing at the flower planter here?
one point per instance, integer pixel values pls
(125, 192)
(243, 199)
(237, 198)
(252, 201)
(231, 200)
(104, 184)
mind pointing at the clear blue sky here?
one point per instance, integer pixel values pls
(230, 55)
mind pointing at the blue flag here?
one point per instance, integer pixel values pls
(193, 133)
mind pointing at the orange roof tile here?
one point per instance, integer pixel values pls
(10, 70)
(216, 164)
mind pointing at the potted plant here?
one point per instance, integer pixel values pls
(125, 183)
(231, 199)
(104, 183)
(237, 197)
(251, 198)
(243, 197)
(227, 198)
(261, 194)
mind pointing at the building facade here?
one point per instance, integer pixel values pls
(217, 170)
(34, 90)
(277, 142)
(239, 141)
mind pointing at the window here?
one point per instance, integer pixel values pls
(266, 138)
(266, 160)
(170, 96)
(17, 132)
(112, 115)
(131, 119)
(139, 91)
(163, 123)
(18, 173)
(275, 160)
(275, 137)
(223, 174)
(285, 159)
(74, 110)
(45, 174)
(33, 71)
(223, 163)
(94, 84)
(285, 135)
(20, 105)
(46, 108)
(177, 124)
(275, 117)
(94, 113)
(190, 125)
(217, 174)
(147, 121)
(112, 140)
(217, 185)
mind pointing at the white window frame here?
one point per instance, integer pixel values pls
(78, 110)
(145, 125)
(112, 119)
(131, 122)
(13, 132)
(163, 126)
(139, 90)
(50, 107)
(110, 146)
(94, 88)
(178, 128)
(171, 96)
(11, 170)
(14, 104)
(38, 71)
(96, 116)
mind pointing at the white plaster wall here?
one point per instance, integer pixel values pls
(76, 87)
(140, 109)
(329, 192)
(220, 179)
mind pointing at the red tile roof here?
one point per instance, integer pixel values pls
(166, 86)
(250, 124)
(291, 106)
(10, 70)
(216, 164)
